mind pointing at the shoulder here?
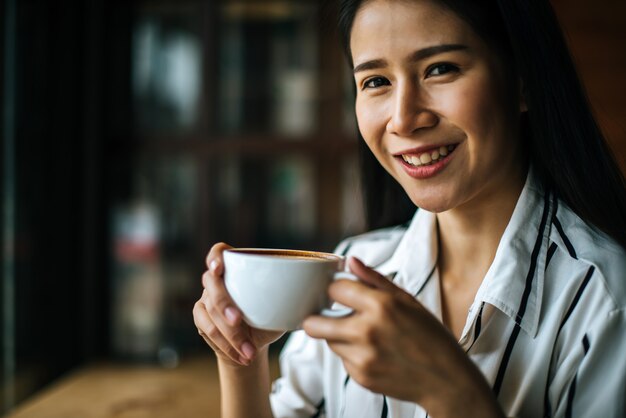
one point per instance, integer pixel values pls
(593, 250)
(374, 246)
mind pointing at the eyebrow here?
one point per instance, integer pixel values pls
(415, 56)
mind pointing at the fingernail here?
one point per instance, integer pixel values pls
(231, 315)
(248, 350)
(214, 265)
(351, 261)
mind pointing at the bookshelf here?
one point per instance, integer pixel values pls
(236, 125)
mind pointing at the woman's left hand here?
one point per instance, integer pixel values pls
(391, 344)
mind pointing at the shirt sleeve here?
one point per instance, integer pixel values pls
(597, 387)
(299, 391)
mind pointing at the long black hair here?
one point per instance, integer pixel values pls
(565, 144)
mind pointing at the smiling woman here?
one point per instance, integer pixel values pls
(429, 89)
(504, 295)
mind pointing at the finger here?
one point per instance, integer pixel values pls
(213, 337)
(351, 354)
(237, 336)
(369, 275)
(214, 260)
(206, 278)
(330, 329)
(227, 317)
(219, 352)
(216, 288)
(224, 313)
(356, 295)
(343, 349)
(219, 299)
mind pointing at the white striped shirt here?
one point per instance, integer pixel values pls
(547, 327)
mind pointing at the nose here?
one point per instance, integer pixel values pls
(410, 111)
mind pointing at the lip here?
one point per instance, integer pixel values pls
(425, 172)
(422, 149)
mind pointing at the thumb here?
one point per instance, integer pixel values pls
(368, 275)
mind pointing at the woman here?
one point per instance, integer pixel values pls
(505, 295)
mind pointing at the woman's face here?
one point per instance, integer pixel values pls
(434, 104)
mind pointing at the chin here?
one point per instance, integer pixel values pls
(435, 204)
(434, 195)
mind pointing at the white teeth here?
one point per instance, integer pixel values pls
(428, 158)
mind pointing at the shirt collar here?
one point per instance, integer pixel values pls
(514, 282)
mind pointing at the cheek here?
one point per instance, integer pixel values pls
(371, 121)
(477, 110)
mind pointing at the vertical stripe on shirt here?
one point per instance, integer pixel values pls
(385, 410)
(345, 250)
(576, 299)
(477, 326)
(345, 385)
(559, 228)
(320, 409)
(572, 389)
(570, 397)
(566, 241)
(547, 406)
(522, 309)
(478, 321)
(546, 400)
(551, 252)
(425, 281)
(585, 344)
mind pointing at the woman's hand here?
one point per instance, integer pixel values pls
(391, 344)
(220, 322)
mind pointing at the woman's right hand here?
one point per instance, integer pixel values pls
(219, 321)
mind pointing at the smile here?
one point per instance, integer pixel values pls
(428, 157)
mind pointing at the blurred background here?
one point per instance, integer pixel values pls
(135, 134)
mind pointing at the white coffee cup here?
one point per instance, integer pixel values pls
(277, 289)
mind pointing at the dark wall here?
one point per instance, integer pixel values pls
(596, 31)
(59, 282)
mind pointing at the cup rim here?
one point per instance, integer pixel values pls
(263, 252)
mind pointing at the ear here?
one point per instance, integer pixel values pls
(523, 106)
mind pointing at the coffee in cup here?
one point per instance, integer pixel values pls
(277, 289)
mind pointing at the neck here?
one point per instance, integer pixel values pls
(469, 235)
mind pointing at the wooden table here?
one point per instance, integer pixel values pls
(131, 391)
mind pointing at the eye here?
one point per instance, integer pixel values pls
(441, 69)
(375, 82)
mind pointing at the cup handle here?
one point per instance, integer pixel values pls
(339, 312)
